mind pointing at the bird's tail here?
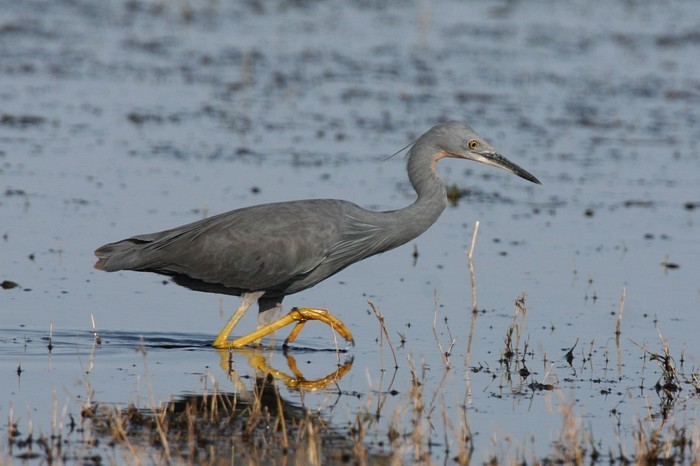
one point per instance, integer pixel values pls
(122, 255)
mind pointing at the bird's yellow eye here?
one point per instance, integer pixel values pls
(473, 144)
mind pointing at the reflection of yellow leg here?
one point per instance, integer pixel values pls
(260, 363)
(292, 363)
(298, 315)
(298, 382)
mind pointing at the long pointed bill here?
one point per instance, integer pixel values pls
(497, 160)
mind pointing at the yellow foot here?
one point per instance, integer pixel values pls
(297, 315)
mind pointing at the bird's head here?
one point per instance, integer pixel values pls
(457, 140)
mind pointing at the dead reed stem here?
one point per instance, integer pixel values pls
(618, 332)
(620, 310)
(444, 353)
(95, 335)
(280, 416)
(522, 309)
(418, 423)
(50, 345)
(96, 341)
(470, 255)
(475, 312)
(380, 318)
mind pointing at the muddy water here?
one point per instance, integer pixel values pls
(119, 118)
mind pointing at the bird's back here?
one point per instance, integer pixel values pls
(279, 248)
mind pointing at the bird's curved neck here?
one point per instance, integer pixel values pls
(413, 220)
(432, 198)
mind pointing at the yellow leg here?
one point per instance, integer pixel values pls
(298, 315)
(295, 332)
(248, 300)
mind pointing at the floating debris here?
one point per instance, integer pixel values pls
(8, 284)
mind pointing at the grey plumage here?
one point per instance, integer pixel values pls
(286, 247)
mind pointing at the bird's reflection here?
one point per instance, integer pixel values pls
(260, 362)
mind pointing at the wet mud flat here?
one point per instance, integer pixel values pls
(118, 118)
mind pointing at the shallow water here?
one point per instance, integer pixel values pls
(124, 118)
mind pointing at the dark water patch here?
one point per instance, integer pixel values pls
(11, 192)
(644, 204)
(679, 39)
(141, 118)
(160, 47)
(465, 97)
(21, 121)
(475, 196)
(25, 27)
(28, 342)
(167, 150)
(116, 340)
(681, 95)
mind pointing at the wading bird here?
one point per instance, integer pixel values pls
(266, 252)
